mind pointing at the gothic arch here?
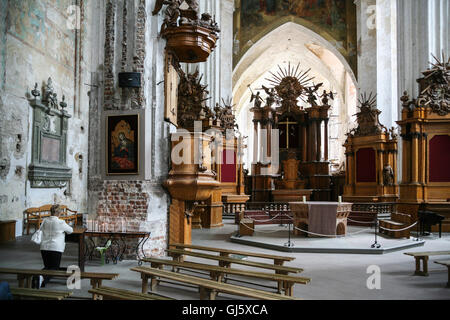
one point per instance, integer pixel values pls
(294, 43)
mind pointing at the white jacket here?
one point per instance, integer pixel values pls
(53, 234)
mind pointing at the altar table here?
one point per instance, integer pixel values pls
(321, 218)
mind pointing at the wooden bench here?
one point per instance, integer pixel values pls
(447, 264)
(107, 293)
(278, 260)
(35, 216)
(424, 257)
(208, 288)
(227, 261)
(39, 294)
(24, 276)
(218, 273)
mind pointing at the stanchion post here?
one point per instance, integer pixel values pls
(289, 244)
(419, 229)
(238, 235)
(281, 220)
(376, 244)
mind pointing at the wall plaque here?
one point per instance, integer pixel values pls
(48, 167)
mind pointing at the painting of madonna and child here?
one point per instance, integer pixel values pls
(335, 20)
(122, 153)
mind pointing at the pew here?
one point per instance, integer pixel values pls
(278, 260)
(24, 276)
(424, 256)
(227, 261)
(208, 288)
(40, 294)
(219, 273)
(108, 293)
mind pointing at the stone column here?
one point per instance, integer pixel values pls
(367, 45)
(387, 78)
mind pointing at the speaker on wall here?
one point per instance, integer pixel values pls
(130, 80)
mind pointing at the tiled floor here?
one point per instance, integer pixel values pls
(334, 276)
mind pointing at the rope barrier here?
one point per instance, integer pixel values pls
(358, 232)
(267, 220)
(268, 232)
(361, 222)
(320, 235)
(326, 235)
(398, 230)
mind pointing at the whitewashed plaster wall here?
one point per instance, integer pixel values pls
(37, 42)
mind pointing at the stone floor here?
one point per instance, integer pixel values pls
(334, 276)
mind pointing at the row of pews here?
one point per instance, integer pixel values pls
(211, 278)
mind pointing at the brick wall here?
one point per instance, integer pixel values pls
(127, 203)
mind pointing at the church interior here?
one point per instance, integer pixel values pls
(225, 149)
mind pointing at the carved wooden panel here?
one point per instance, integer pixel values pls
(170, 90)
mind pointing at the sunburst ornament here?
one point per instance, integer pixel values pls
(291, 83)
(367, 101)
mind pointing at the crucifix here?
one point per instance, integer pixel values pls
(287, 122)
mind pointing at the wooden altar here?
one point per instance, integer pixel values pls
(227, 148)
(300, 139)
(425, 132)
(371, 155)
(321, 218)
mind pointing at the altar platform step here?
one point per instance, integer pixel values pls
(263, 218)
(359, 240)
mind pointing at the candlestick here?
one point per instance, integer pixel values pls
(340, 199)
(304, 199)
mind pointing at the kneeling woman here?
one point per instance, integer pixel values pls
(53, 240)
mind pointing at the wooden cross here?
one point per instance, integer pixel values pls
(287, 123)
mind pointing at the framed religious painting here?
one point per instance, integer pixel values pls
(122, 145)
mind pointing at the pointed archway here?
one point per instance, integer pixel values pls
(296, 44)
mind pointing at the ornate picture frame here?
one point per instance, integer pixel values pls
(122, 144)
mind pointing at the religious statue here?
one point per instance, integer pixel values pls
(326, 96)
(50, 96)
(271, 96)
(368, 117)
(189, 16)
(312, 94)
(257, 98)
(227, 117)
(191, 97)
(388, 176)
(435, 88)
(172, 12)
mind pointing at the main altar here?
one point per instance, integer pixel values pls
(303, 168)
